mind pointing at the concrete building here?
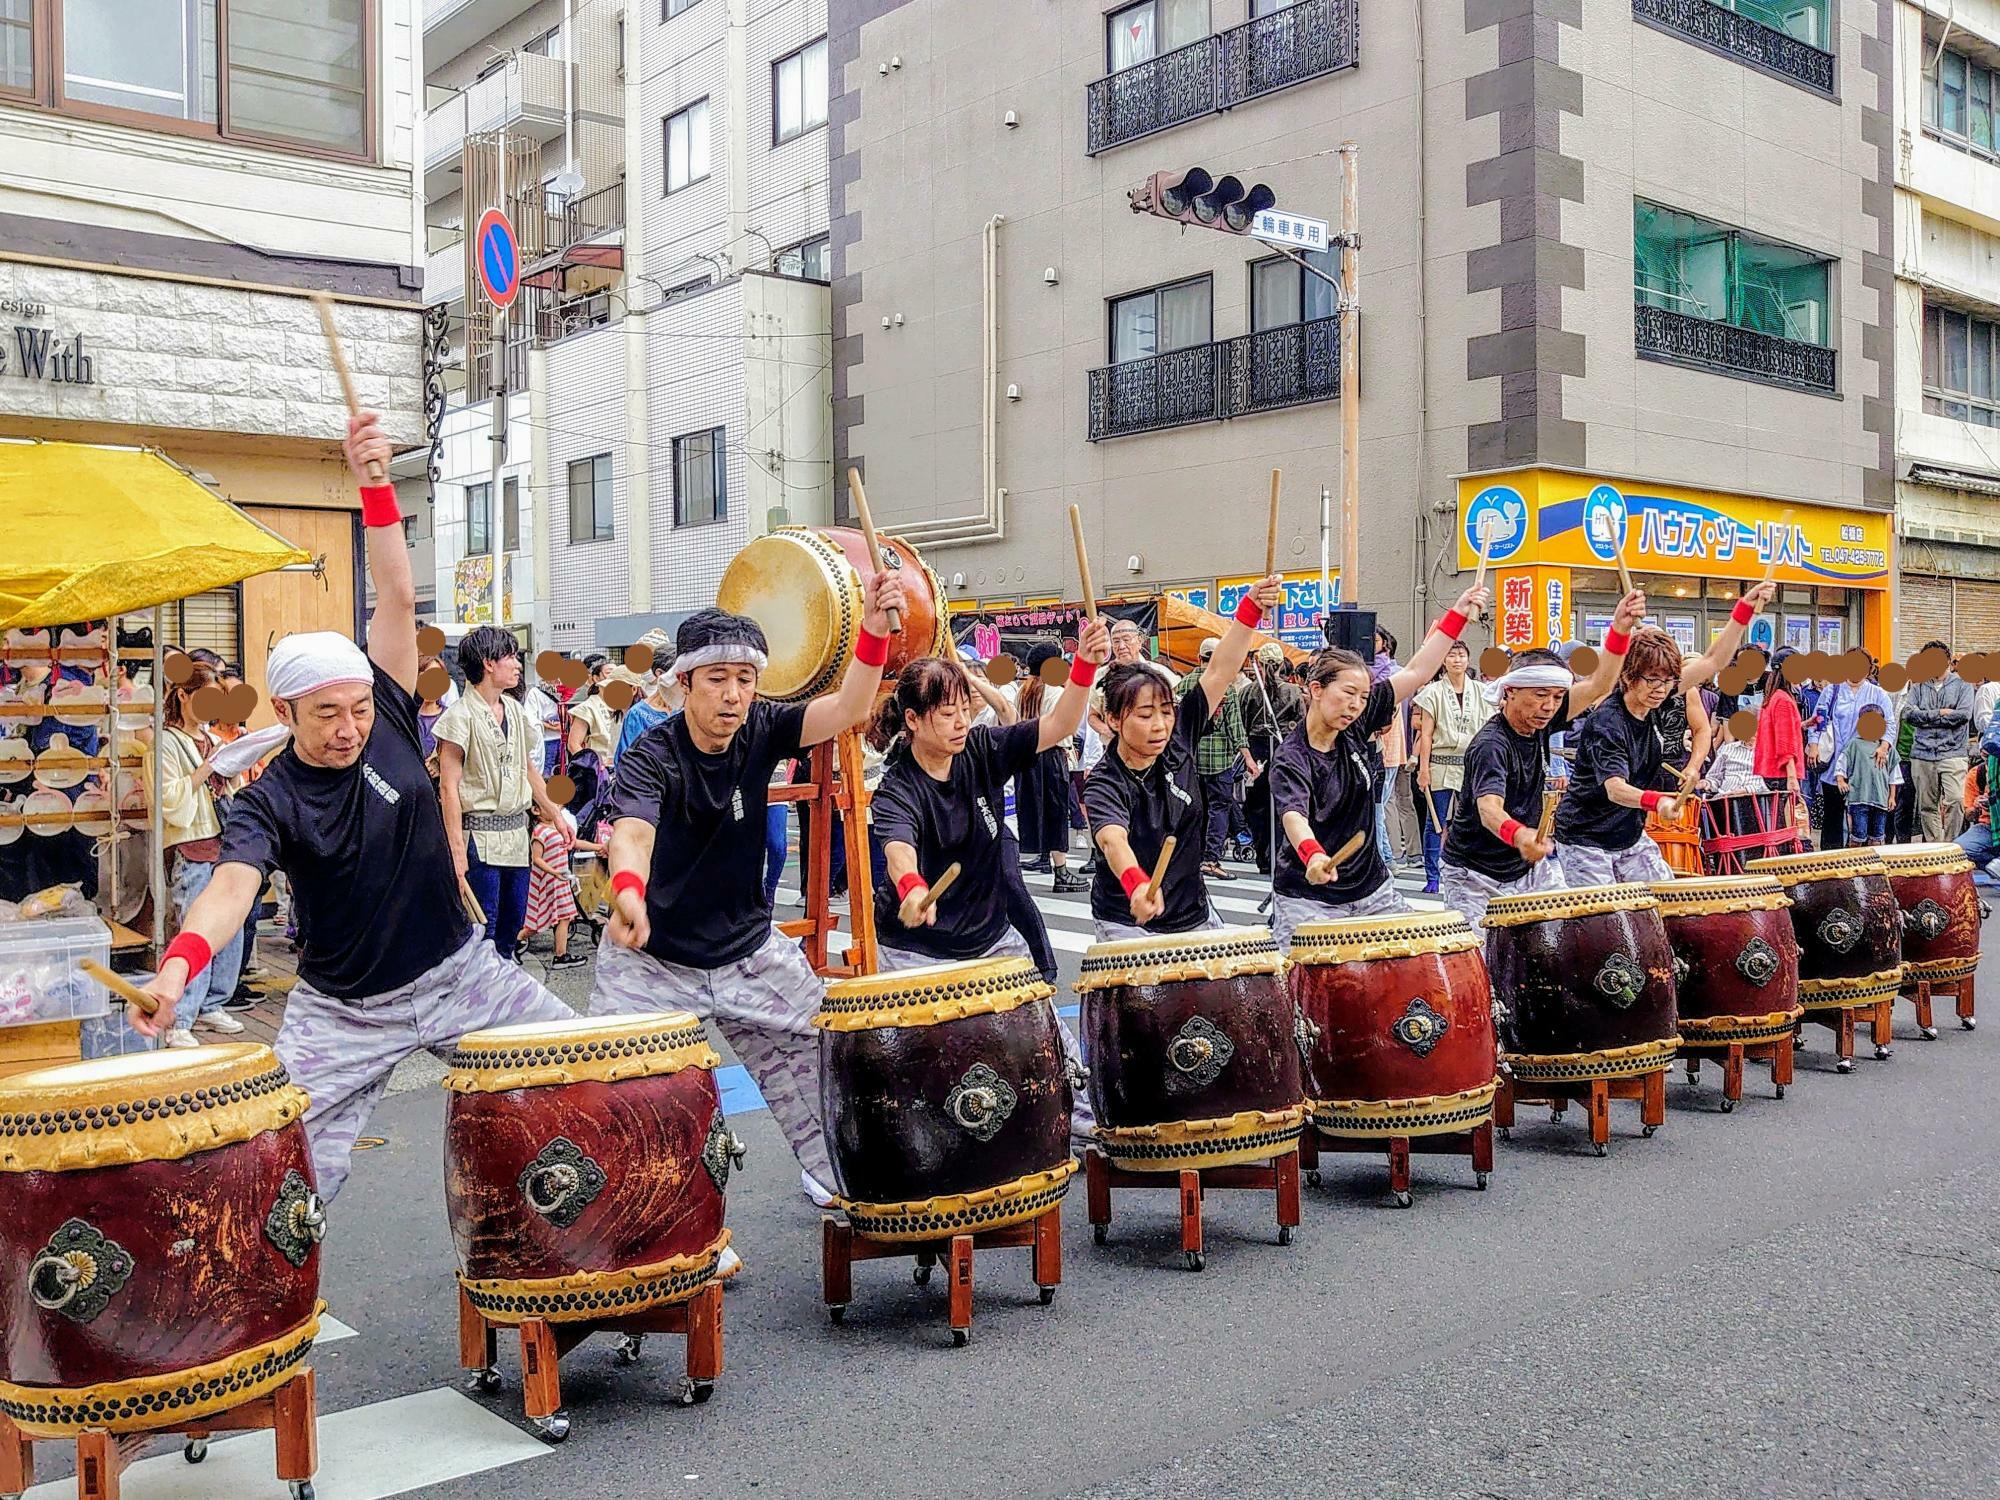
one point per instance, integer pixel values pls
(1626, 286)
(166, 204)
(1947, 316)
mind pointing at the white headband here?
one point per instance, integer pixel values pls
(1534, 675)
(721, 654)
(305, 663)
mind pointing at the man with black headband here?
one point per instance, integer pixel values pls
(691, 924)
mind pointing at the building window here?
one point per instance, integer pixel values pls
(590, 499)
(699, 486)
(675, 7)
(811, 261)
(510, 509)
(798, 93)
(154, 59)
(1139, 33)
(1690, 265)
(17, 46)
(687, 146)
(1269, 7)
(1282, 292)
(1161, 320)
(1961, 378)
(478, 519)
(548, 44)
(298, 72)
(1958, 100)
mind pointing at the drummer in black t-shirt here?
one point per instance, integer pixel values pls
(1324, 782)
(1146, 788)
(691, 923)
(388, 962)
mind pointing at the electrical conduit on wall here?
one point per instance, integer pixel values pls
(990, 523)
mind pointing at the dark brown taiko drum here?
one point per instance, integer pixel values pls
(585, 1163)
(1848, 926)
(1933, 886)
(1735, 958)
(946, 1098)
(1397, 1016)
(1585, 980)
(1194, 1050)
(159, 1239)
(802, 584)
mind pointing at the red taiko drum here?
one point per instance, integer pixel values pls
(1735, 959)
(159, 1239)
(585, 1163)
(1933, 886)
(1849, 929)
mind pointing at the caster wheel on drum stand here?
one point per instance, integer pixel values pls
(1930, 1033)
(1100, 1233)
(960, 1337)
(1728, 1107)
(1882, 1054)
(1479, 1181)
(196, 1450)
(921, 1275)
(553, 1428)
(695, 1392)
(629, 1347)
(837, 1313)
(1969, 1023)
(1404, 1200)
(302, 1489)
(1196, 1261)
(1313, 1178)
(1048, 1294)
(1284, 1234)
(1555, 1117)
(479, 1383)
(1600, 1148)
(1646, 1131)
(1844, 1065)
(1505, 1132)
(1781, 1091)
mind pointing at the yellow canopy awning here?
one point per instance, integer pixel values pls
(89, 531)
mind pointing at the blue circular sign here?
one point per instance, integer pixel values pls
(1605, 523)
(1499, 517)
(499, 258)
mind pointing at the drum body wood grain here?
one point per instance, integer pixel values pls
(1735, 958)
(1933, 886)
(1194, 1050)
(945, 1097)
(1586, 981)
(585, 1166)
(159, 1238)
(1398, 1018)
(1847, 923)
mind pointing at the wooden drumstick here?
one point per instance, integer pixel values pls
(1271, 529)
(1432, 807)
(943, 885)
(1486, 530)
(1160, 865)
(120, 986)
(323, 305)
(1784, 520)
(1549, 801)
(1349, 849)
(1624, 573)
(471, 903)
(860, 498)
(1083, 562)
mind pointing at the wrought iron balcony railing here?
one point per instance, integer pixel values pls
(1262, 371)
(1682, 339)
(1743, 38)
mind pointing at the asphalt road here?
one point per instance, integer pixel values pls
(1797, 1299)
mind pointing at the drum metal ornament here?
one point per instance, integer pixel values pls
(1735, 956)
(945, 1097)
(159, 1239)
(1849, 928)
(581, 1166)
(1585, 977)
(1195, 1048)
(1400, 1016)
(803, 586)
(1933, 886)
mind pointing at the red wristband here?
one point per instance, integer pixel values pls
(1743, 614)
(1452, 624)
(1651, 800)
(1617, 642)
(910, 882)
(871, 650)
(1511, 830)
(1132, 879)
(629, 880)
(1249, 611)
(379, 507)
(192, 948)
(1308, 849)
(1083, 671)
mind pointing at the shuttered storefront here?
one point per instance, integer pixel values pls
(1962, 612)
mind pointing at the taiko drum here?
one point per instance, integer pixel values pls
(1848, 926)
(1736, 961)
(1940, 907)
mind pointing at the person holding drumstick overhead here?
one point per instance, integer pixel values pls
(1620, 762)
(1323, 781)
(1146, 790)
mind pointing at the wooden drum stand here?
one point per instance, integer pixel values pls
(1594, 1094)
(841, 1247)
(1476, 1143)
(1280, 1175)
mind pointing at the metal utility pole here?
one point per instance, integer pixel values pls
(1350, 379)
(497, 437)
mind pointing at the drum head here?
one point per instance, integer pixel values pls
(1925, 859)
(1709, 894)
(1822, 864)
(587, 1049)
(1363, 939)
(111, 1078)
(1576, 901)
(1178, 957)
(803, 592)
(931, 993)
(560, 1033)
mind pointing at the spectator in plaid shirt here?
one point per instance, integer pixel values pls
(1219, 758)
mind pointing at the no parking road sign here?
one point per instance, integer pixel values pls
(498, 257)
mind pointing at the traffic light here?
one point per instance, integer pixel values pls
(1198, 197)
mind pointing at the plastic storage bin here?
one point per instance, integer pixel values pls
(39, 978)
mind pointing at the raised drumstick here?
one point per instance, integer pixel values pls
(1486, 530)
(1083, 562)
(1160, 866)
(323, 305)
(1624, 573)
(120, 986)
(943, 885)
(860, 497)
(1271, 528)
(1784, 520)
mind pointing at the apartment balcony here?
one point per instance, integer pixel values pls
(1679, 338)
(1307, 40)
(524, 97)
(1254, 372)
(450, 26)
(1743, 39)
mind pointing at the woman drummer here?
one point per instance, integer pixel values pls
(1146, 790)
(1324, 782)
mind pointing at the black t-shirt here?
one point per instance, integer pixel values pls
(954, 821)
(373, 888)
(705, 893)
(1165, 799)
(1608, 742)
(1335, 790)
(1513, 767)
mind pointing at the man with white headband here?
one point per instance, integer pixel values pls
(1492, 845)
(691, 924)
(388, 960)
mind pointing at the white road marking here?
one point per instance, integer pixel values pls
(332, 1331)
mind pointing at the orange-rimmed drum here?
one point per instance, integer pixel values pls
(159, 1239)
(803, 586)
(1679, 837)
(1850, 934)
(1941, 922)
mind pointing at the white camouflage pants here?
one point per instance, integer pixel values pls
(1642, 862)
(341, 1052)
(762, 1005)
(1118, 932)
(1468, 892)
(1290, 913)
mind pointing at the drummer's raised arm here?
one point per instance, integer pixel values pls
(1724, 647)
(1425, 661)
(849, 705)
(1588, 693)
(1060, 723)
(392, 628)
